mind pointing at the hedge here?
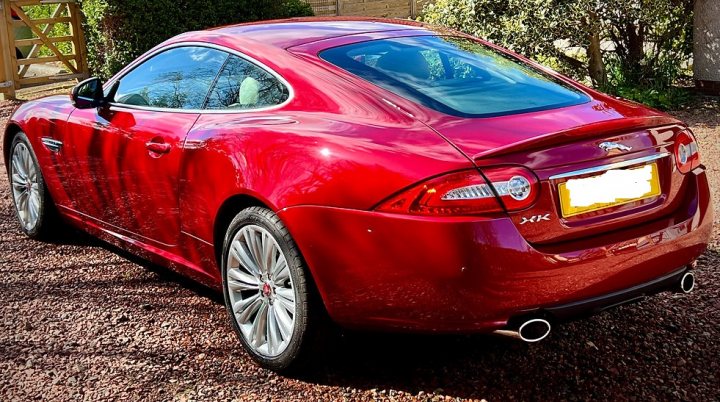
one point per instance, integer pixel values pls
(118, 31)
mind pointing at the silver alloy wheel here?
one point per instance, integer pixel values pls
(261, 290)
(25, 186)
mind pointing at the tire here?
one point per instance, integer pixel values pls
(251, 294)
(34, 208)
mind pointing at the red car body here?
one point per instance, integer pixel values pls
(325, 161)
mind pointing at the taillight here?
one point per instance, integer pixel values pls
(687, 155)
(467, 193)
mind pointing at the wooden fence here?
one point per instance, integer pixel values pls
(369, 8)
(19, 32)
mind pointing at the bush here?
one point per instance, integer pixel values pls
(297, 8)
(631, 46)
(118, 31)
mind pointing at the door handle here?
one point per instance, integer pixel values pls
(157, 147)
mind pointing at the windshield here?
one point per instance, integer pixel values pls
(454, 75)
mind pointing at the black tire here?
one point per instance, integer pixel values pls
(47, 220)
(308, 308)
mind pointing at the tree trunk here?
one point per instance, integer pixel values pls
(706, 64)
(596, 67)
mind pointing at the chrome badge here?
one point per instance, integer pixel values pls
(535, 219)
(609, 146)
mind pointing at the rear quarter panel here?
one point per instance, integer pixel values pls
(333, 144)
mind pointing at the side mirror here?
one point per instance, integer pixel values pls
(89, 94)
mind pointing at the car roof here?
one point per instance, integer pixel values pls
(297, 31)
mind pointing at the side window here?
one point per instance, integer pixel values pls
(179, 78)
(243, 85)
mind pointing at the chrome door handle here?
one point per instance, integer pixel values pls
(157, 147)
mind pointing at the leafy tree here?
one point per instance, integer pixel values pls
(612, 42)
(118, 31)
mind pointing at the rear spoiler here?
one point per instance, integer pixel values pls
(598, 129)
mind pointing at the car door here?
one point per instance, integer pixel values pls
(124, 158)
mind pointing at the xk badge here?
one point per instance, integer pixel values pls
(535, 219)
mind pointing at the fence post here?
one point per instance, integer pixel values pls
(7, 52)
(79, 44)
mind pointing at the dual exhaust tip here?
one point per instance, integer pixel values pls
(687, 282)
(531, 330)
(536, 329)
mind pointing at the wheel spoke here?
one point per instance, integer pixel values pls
(241, 279)
(255, 248)
(31, 172)
(18, 182)
(23, 199)
(17, 166)
(244, 309)
(273, 332)
(259, 327)
(244, 258)
(33, 207)
(25, 155)
(281, 272)
(286, 297)
(283, 320)
(268, 253)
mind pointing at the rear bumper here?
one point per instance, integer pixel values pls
(594, 305)
(387, 271)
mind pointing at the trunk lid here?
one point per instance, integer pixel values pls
(564, 144)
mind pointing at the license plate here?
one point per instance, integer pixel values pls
(612, 188)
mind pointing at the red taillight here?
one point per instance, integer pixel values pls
(467, 193)
(14, 14)
(687, 155)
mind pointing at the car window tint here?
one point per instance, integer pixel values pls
(243, 85)
(453, 75)
(179, 78)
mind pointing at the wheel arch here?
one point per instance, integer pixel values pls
(228, 210)
(11, 131)
(225, 214)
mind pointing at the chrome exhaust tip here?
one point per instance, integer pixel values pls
(687, 282)
(534, 330)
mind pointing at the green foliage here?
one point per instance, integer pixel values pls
(670, 98)
(297, 8)
(118, 31)
(640, 44)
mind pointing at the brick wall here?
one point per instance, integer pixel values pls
(368, 8)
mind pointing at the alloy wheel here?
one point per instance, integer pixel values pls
(261, 291)
(25, 186)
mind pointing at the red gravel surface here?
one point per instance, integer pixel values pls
(81, 320)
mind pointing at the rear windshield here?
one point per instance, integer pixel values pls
(454, 75)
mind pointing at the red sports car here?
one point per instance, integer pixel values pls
(386, 174)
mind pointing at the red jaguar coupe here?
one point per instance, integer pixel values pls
(386, 174)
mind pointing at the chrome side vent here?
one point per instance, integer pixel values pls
(52, 144)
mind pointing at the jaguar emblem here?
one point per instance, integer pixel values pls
(609, 146)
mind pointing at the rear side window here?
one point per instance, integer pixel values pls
(243, 85)
(178, 78)
(453, 75)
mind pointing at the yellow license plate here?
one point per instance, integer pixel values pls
(612, 188)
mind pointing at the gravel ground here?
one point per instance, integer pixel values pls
(83, 320)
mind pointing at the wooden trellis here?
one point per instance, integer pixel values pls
(13, 70)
